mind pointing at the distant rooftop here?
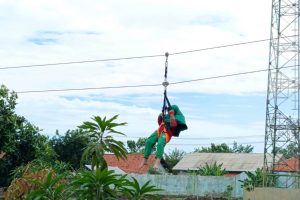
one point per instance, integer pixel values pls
(232, 162)
(288, 165)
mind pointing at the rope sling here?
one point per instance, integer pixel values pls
(166, 103)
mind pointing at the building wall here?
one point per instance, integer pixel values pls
(272, 193)
(193, 185)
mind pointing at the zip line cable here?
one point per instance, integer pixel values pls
(148, 85)
(137, 57)
(79, 62)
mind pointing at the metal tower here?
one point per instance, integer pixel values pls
(282, 112)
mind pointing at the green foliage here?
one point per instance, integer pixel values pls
(290, 150)
(136, 192)
(19, 139)
(98, 184)
(211, 170)
(69, 147)
(241, 148)
(8, 119)
(136, 147)
(33, 176)
(100, 131)
(152, 170)
(38, 165)
(224, 148)
(174, 157)
(256, 180)
(228, 192)
(50, 187)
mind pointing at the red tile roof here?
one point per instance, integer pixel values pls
(289, 165)
(131, 165)
(231, 174)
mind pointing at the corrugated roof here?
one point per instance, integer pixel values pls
(234, 162)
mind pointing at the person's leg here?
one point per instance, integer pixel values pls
(150, 142)
(160, 149)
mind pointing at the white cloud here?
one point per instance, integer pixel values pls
(50, 31)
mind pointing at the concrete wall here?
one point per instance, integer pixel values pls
(288, 180)
(272, 193)
(193, 185)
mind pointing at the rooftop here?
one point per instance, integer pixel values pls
(131, 165)
(289, 165)
(232, 162)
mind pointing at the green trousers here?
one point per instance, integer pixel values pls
(151, 141)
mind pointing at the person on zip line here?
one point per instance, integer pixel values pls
(170, 124)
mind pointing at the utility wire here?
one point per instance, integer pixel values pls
(255, 142)
(147, 85)
(221, 46)
(202, 138)
(136, 57)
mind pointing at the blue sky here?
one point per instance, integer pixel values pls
(50, 31)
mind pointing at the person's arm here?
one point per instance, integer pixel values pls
(160, 119)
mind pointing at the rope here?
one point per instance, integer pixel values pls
(165, 84)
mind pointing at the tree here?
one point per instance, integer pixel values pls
(69, 148)
(20, 140)
(174, 157)
(224, 148)
(8, 119)
(241, 149)
(136, 147)
(99, 131)
(291, 150)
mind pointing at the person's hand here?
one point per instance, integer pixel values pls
(173, 122)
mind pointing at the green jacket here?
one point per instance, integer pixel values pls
(181, 125)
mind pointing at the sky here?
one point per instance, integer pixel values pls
(217, 110)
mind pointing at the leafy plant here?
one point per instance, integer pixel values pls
(255, 180)
(228, 192)
(136, 192)
(38, 164)
(26, 178)
(50, 187)
(20, 187)
(211, 170)
(174, 157)
(100, 131)
(152, 170)
(98, 184)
